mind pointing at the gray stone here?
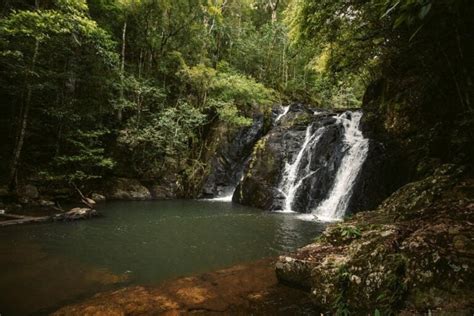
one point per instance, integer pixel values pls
(128, 189)
(98, 197)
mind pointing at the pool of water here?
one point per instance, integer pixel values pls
(44, 266)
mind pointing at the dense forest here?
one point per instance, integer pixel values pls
(89, 89)
(95, 88)
(298, 106)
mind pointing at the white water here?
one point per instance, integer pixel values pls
(285, 110)
(335, 205)
(225, 198)
(290, 182)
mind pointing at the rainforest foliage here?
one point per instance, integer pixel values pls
(85, 83)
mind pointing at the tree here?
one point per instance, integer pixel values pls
(58, 54)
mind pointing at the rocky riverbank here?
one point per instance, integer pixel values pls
(414, 254)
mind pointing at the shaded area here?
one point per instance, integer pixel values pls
(33, 280)
(243, 289)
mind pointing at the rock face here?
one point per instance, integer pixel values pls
(414, 253)
(231, 156)
(127, 189)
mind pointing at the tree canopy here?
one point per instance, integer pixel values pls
(85, 83)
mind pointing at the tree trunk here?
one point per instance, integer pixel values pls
(23, 124)
(122, 70)
(273, 7)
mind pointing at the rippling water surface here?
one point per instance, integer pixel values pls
(44, 266)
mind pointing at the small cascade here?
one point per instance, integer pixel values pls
(310, 165)
(336, 203)
(284, 111)
(293, 175)
(227, 195)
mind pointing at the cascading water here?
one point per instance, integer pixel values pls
(284, 111)
(293, 176)
(321, 161)
(322, 174)
(227, 195)
(335, 205)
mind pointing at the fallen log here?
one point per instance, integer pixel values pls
(72, 215)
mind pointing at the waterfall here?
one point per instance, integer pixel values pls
(292, 177)
(227, 195)
(284, 111)
(335, 205)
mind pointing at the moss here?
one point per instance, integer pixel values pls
(393, 295)
(299, 120)
(414, 253)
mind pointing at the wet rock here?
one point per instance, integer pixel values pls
(294, 271)
(230, 157)
(162, 192)
(127, 189)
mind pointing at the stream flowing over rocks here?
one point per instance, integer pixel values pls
(309, 161)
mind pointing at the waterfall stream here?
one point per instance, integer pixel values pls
(284, 111)
(353, 148)
(227, 195)
(318, 164)
(335, 205)
(290, 180)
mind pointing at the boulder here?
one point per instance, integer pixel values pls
(127, 189)
(98, 197)
(162, 192)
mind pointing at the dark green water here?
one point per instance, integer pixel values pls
(47, 265)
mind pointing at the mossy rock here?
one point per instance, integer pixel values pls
(414, 253)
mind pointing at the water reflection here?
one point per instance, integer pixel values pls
(45, 266)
